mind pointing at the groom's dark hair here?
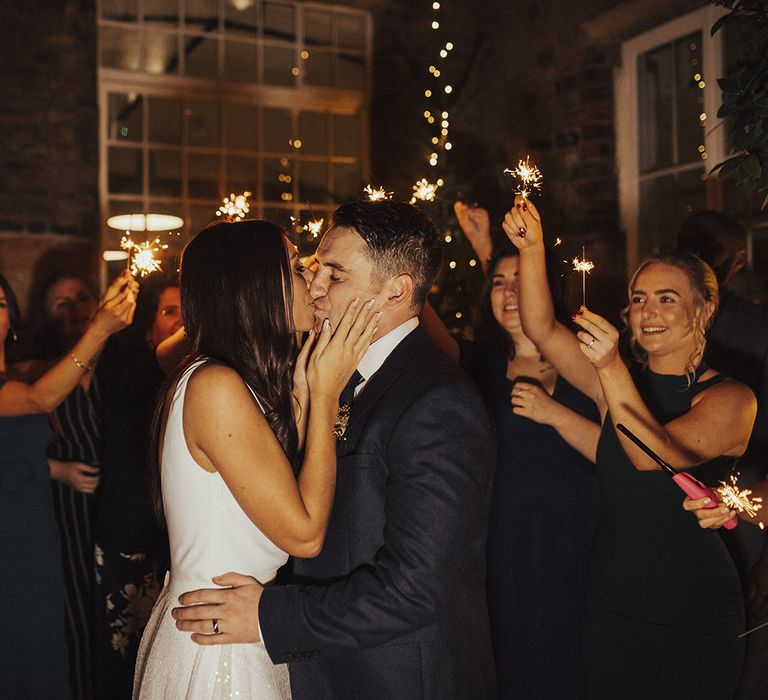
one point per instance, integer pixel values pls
(399, 239)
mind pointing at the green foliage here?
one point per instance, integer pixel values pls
(745, 96)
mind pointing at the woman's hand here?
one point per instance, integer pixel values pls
(117, 306)
(709, 518)
(300, 385)
(335, 357)
(522, 224)
(531, 401)
(599, 339)
(77, 475)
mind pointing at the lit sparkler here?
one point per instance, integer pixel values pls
(377, 194)
(425, 191)
(528, 177)
(583, 266)
(739, 499)
(141, 256)
(314, 227)
(235, 207)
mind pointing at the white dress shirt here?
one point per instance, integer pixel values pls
(381, 349)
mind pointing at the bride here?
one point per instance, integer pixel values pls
(229, 433)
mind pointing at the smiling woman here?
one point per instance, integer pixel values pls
(672, 301)
(664, 606)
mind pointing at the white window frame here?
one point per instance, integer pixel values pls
(626, 109)
(296, 98)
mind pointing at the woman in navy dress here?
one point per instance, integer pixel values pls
(544, 504)
(664, 605)
(33, 659)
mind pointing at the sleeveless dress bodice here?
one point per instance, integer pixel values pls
(209, 534)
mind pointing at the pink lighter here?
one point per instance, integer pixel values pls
(688, 483)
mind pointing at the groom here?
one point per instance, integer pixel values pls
(394, 605)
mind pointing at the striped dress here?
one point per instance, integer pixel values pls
(77, 437)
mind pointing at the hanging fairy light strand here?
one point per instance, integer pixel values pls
(436, 116)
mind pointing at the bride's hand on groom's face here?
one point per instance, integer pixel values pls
(336, 355)
(222, 615)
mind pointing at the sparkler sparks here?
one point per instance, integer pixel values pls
(377, 194)
(141, 256)
(739, 499)
(235, 207)
(528, 177)
(425, 191)
(583, 266)
(314, 227)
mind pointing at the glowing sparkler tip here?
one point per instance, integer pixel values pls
(377, 194)
(314, 227)
(142, 255)
(583, 265)
(528, 176)
(235, 207)
(739, 499)
(425, 191)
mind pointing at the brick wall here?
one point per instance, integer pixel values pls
(48, 131)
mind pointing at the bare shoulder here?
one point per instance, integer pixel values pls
(729, 393)
(215, 388)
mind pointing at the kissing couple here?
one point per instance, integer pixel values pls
(382, 502)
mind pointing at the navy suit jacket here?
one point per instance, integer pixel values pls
(394, 606)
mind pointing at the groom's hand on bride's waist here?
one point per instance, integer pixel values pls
(222, 615)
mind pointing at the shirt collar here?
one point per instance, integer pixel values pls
(381, 349)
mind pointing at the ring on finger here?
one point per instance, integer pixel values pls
(216, 627)
(591, 343)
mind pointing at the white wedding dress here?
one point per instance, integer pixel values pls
(209, 534)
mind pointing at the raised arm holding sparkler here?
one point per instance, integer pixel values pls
(667, 315)
(115, 313)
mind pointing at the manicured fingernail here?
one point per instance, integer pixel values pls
(525, 207)
(517, 206)
(326, 324)
(380, 314)
(574, 317)
(370, 303)
(521, 233)
(580, 310)
(356, 301)
(707, 500)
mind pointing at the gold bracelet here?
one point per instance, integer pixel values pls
(85, 368)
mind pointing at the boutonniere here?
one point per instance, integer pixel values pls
(342, 419)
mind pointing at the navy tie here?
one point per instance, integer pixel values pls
(346, 398)
(347, 395)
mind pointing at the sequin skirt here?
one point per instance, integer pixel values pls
(170, 666)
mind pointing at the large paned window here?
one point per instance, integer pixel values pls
(668, 136)
(203, 98)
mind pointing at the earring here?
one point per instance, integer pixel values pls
(14, 337)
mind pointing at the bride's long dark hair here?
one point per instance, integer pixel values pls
(237, 300)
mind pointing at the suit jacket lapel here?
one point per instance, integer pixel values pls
(376, 386)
